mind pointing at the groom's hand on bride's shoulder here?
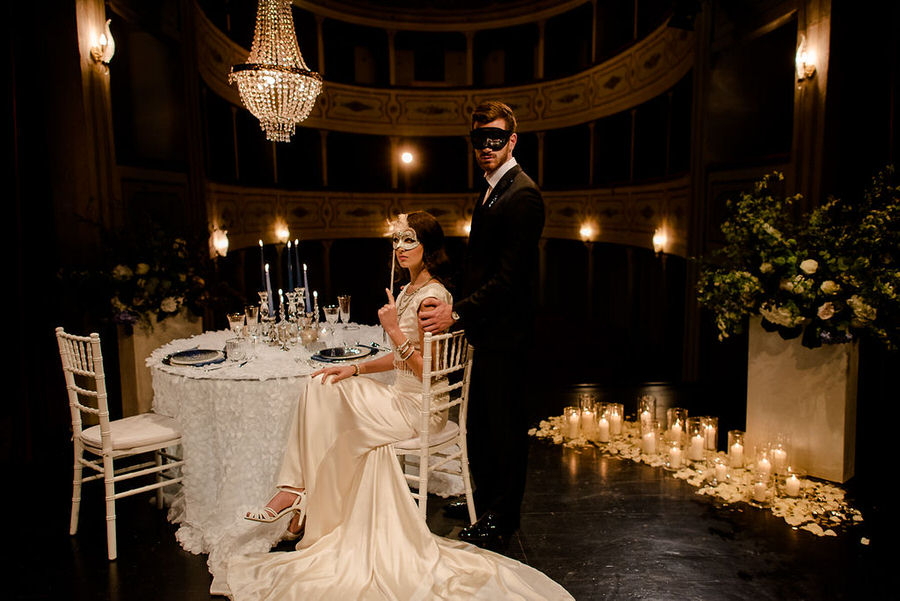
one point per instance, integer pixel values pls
(435, 316)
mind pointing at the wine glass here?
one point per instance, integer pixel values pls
(332, 313)
(236, 322)
(344, 304)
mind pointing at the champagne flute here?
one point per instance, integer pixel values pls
(332, 312)
(344, 304)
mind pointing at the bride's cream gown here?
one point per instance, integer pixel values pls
(364, 538)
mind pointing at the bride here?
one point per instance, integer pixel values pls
(360, 535)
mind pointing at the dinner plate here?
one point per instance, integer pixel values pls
(342, 353)
(196, 357)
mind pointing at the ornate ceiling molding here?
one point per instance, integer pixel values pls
(644, 71)
(492, 16)
(627, 215)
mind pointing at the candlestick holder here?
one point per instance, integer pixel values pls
(736, 449)
(572, 423)
(263, 304)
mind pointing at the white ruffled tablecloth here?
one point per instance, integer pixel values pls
(234, 421)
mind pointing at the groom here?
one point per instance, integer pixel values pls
(496, 309)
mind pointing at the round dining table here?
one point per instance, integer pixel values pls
(235, 417)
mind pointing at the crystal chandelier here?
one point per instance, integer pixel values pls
(275, 84)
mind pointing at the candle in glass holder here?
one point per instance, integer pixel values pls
(588, 425)
(710, 432)
(648, 442)
(792, 485)
(779, 459)
(572, 423)
(760, 491)
(736, 448)
(616, 410)
(647, 409)
(763, 464)
(695, 450)
(675, 456)
(603, 430)
(721, 470)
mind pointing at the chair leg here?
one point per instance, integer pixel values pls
(108, 473)
(423, 485)
(76, 490)
(159, 478)
(467, 479)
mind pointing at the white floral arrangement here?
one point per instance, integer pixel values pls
(831, 276)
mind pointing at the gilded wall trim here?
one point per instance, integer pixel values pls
(626, 215)
(491, 17)
(642, 72)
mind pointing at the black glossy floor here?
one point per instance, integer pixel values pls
(604, 528)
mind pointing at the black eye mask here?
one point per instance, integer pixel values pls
(489, 137)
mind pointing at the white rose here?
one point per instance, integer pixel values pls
(809, 266)
(829, 287)
(826, 311)
(169, 304)
(766, 268)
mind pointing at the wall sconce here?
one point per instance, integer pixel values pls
(103, 50)
(660, 240)
(467, 227)
(282, 232)
(220, 241)
(407, 157)
(805, 60)
(587, 232)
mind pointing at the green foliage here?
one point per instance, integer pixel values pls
(831, 276)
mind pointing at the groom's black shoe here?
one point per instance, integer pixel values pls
(491, 531)
(457, 510)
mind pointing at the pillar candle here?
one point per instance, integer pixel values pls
(759, 491)
(645, 418)
(764, 466)
(675, 454)
(675, 431)
(587, 423)
(736, 455)
(603, 430)
(573, 423)
(648, 443)
(792, 486)
(721, 472)
(710, 434)
(695, 451)
(615, 424)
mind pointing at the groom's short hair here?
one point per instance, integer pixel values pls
(494, 109)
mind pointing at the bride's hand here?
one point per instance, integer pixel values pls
(337, 373)
(387, 315)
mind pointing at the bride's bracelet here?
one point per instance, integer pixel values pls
(408, 354)
(404, 347)
(356, 368)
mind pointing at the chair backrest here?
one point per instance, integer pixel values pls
(82, 364)
(442, 356)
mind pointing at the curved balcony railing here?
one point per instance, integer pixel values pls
(627, 215)
(645, 70)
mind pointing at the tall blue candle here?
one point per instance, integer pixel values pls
(297, 259)
(290, 268)
(269, 291)
(262, 267)
(306, 290)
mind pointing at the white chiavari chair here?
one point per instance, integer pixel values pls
(443, 355)
(110, 440)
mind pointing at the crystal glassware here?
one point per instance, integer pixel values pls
(344, 305)
(736, 448)
(615, 412)
(646, 409)
(676, 423)
(236, 323)
(572, 422)
(710, 426)
(650, 437)
(332, 312)
(696, 443)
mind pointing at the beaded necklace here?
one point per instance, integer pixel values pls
(407, 296)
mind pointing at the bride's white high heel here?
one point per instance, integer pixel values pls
(268, 515)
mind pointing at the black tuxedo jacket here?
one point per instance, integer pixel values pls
(500, 271)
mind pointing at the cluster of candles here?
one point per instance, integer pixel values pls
(293, 266)
(597, 422)
(683, 440)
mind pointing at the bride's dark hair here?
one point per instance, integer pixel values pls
(431, 236)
